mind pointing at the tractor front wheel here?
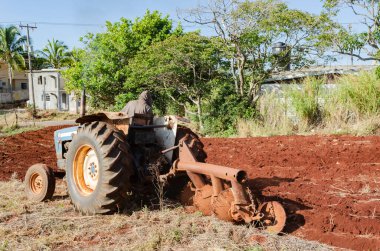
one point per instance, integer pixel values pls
(39, 183)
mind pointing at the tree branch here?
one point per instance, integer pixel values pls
(358, 56)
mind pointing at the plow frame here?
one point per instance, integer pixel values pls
(202, 175)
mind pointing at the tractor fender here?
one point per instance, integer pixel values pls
(103, 116)
(118, 119)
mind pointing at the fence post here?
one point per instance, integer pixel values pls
(5, 119)
(16, 117)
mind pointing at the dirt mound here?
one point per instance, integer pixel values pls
(329, 185)
(20, 151)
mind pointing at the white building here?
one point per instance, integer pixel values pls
(49, 92)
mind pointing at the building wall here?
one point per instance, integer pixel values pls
(49, 91)
(20, 86)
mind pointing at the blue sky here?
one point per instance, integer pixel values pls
(98, 11)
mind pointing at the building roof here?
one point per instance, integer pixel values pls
(46, 70)
(318, 71)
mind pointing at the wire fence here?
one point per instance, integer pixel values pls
(13, 118)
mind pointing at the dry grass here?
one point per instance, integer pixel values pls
(18, 121)
(9, 118)
(273, 118)
(351, 108)
(54, 225)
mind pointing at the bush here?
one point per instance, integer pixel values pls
(377, 72)
(224, 109)
(273, 116)
(353, 106)
(305, 101)
(357, 97)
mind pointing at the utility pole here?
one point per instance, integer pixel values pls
(28, 27)
(83, 102)
(352, 51)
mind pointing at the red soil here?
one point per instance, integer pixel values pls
(329, 185)
(20, 151)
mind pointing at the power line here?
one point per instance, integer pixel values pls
(69, 24)
(53, 23)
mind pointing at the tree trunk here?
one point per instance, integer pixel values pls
(241, 79)
(83, 103)
(10, 75)
(241, 60)
(232, 63)
(199, 112)
(253, 92)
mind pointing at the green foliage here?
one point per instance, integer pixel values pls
(224, 110)
(181, 69)
(38, 62)
(214, 81)
(353, 106)
(55, 54)
(11, 51)
(304, 99)
(11, 48)
(359, 94)
(377, 72)
(102, 66)
(249, 29)
(73, 75)
(363, 45)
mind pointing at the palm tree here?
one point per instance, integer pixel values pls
(56, 54)
(11, 50)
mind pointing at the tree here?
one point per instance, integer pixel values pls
(248, 30)
(11, 51)
(363, 45)
(182, 68)
(102, 65)
(55, 54)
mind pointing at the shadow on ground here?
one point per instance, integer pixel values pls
(294, 220)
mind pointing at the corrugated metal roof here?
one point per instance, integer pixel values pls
(318, 71)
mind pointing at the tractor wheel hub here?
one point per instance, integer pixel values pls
(91, 170)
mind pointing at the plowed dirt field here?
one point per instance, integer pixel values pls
(329, 185)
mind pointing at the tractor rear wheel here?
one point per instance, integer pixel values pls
(39, 183)
(99, 167)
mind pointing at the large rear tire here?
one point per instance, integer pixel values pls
(99, 167)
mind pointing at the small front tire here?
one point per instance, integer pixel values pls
(39, 183)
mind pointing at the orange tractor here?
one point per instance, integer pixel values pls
(110, 156)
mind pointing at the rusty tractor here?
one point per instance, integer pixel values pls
(110, 156)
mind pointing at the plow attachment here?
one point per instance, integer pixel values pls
(221, 191)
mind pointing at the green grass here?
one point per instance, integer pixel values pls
(9, 131)
(305, 101)
(358, 97)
